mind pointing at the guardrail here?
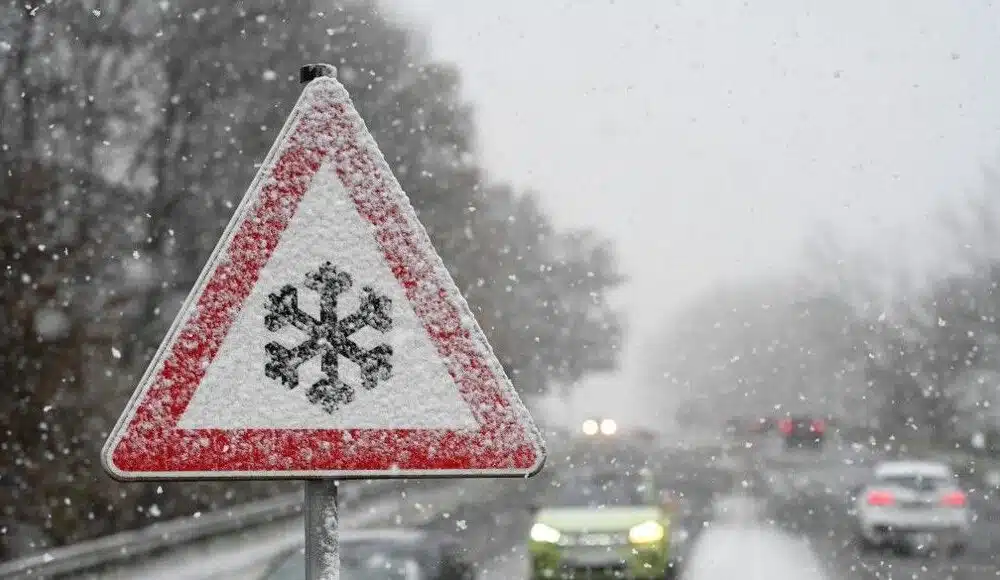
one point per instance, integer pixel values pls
(84, 556)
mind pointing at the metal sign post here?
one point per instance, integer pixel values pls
(322, 530)
(321, 512)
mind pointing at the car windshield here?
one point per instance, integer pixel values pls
(915, 481)
(599, 492)
(360, 562)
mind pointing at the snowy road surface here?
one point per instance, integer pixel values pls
(727, 550)
(738, 545)
(749, 552)
(802, 534)
(496, 532)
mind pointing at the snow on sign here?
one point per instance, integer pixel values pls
(324, 338)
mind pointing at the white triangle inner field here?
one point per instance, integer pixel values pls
(235, 393)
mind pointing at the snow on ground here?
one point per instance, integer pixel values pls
(742, 550)
(509, 566)
(736, 509)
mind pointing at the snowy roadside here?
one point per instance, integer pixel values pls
(248, 554)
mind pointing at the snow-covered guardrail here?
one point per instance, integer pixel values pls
(93, 554)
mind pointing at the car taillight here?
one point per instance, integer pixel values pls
(819, 426)
(786, 426)
(880, 498)
(954, 499)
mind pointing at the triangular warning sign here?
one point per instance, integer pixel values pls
(324, 338)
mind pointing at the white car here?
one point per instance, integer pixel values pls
(915, 505)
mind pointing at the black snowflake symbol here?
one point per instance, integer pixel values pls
(329, 337)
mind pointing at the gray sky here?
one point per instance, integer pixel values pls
(707, 137)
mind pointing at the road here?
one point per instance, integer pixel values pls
(777, 537)
(800, 529)
(796, 528)
(495, 531)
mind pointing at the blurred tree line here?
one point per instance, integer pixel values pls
(129, 134)
(895, 355)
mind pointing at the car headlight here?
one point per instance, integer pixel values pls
(646, 532)
(609, 427)
(543, 533)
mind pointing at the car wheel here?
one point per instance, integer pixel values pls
(673, 571)
(956, 549)
(864, 545)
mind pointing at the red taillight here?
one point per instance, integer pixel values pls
(786, 426)
(880, 498)
(954, 499)
(819, 426)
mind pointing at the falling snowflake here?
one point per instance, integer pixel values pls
(329, 337)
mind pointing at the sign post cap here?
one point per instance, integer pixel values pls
(313, 71)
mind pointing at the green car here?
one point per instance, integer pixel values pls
(604, 526)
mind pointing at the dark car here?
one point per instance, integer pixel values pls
(388, 554)
(763, 425)
(735, 426)
(748, 428)
(802, 432)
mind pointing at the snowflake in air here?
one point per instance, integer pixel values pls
(329, 337)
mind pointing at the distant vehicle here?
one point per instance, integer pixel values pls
(802, 432)
(605, 524)
(646, 436)
(912, 506)
(741, 426)
(388, 554)
(763, 425)
(592, 427)
(734, 426)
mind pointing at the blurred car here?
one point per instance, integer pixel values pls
(912, 505)
(762, 425)
(802, 432)
(753, 425)
(734, 426)
(644, 436)
(596, 426)
(388, 554)
(604, 525)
